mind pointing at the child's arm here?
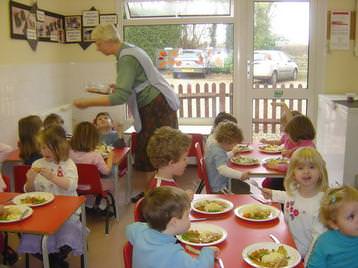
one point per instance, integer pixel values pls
(274, 195)
(61, 182)
(229, 172)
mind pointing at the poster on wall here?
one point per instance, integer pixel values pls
(73, 28)
(51, 29)
(90, 18)
(20, 18)
(108, 19)
(340, 30)
(87, 31)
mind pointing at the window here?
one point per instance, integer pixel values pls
(178, 8)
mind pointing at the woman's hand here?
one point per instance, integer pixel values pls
(267, 193)
(80, 103)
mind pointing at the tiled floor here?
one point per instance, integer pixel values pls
(106, 251)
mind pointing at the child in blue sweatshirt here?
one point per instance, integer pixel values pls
(166, 210)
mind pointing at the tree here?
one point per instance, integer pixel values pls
(151, 38)
(263, 36)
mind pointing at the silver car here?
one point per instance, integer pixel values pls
(273, 66)
(190, 61)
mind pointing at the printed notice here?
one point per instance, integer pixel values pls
(340, 29)
(90, 18)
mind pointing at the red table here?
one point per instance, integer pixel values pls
(242, 233)
(258, 170)
(56, 213)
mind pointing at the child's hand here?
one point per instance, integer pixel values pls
(263, 140)
(32, 173)
(245, 176)
(267, 193)
(236, 150)
(216, 251)
(286, 153)
(47, 174)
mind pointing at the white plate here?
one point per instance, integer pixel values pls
(245, 149)
(229, 205)
(49, 197)
(257, 162)
(295, 257)
(268, 159)
(23, 213)
(262, 148)
(205, 227)
(241, 210)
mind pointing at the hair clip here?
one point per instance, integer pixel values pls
(333, 199)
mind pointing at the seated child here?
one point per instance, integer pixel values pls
(28, 128)
(56, 120)
(55, 173)
(166, 210)
(167, 150)
(108, 136)
(305, 184)
(338, 247)
(227, 135)
(221, 117)
(83, 143)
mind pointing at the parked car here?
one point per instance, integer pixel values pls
(273, 66)
(190, 61)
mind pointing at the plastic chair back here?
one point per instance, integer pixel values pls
(138, 216)
(89, 180)
(20, 177)
(201, 168)
(127, 255)
(196, 138)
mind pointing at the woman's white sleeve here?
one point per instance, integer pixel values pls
(226, 171)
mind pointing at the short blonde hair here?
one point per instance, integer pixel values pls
(304, 155)
(228, 132)
(106, 32)
(333, 200)
(167, 144)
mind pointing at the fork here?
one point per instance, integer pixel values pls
(220, 262)
(275, 239)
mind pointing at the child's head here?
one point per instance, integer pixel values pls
(168, 146)
(103, 121)
(306, 169)
(339, 210)
(53, 119)
(28, 127)
(228, 134)
(285, 118)
(299, 128)
(85, 137)
(223, 117)
(167, 208)
(54, 146)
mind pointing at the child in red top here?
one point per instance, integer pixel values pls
(167, 150)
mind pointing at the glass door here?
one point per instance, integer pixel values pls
(278, 63)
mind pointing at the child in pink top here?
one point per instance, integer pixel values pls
(167, 150)
(84, 141)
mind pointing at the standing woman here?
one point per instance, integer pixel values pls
(149, 96)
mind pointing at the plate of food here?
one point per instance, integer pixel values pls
(212, 205)
(257, 212)
(203, 234)
(270, 148)
(244, 161)
(272, 161)
(14, 213)
(104, 150)
(243, 148)
(270, 254)
(33, 199)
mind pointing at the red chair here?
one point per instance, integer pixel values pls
(127, 255)
(20, 177)
(138, 216)
(7, 183)
(201, 169)
(89, 183)
(196, 138)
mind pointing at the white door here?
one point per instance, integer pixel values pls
(280, 57)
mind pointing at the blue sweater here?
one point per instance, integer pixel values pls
(153, 249)
(334, 250)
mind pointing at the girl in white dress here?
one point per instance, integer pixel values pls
(55, 173)
(305, 184)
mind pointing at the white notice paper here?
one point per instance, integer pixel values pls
(340, 29)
